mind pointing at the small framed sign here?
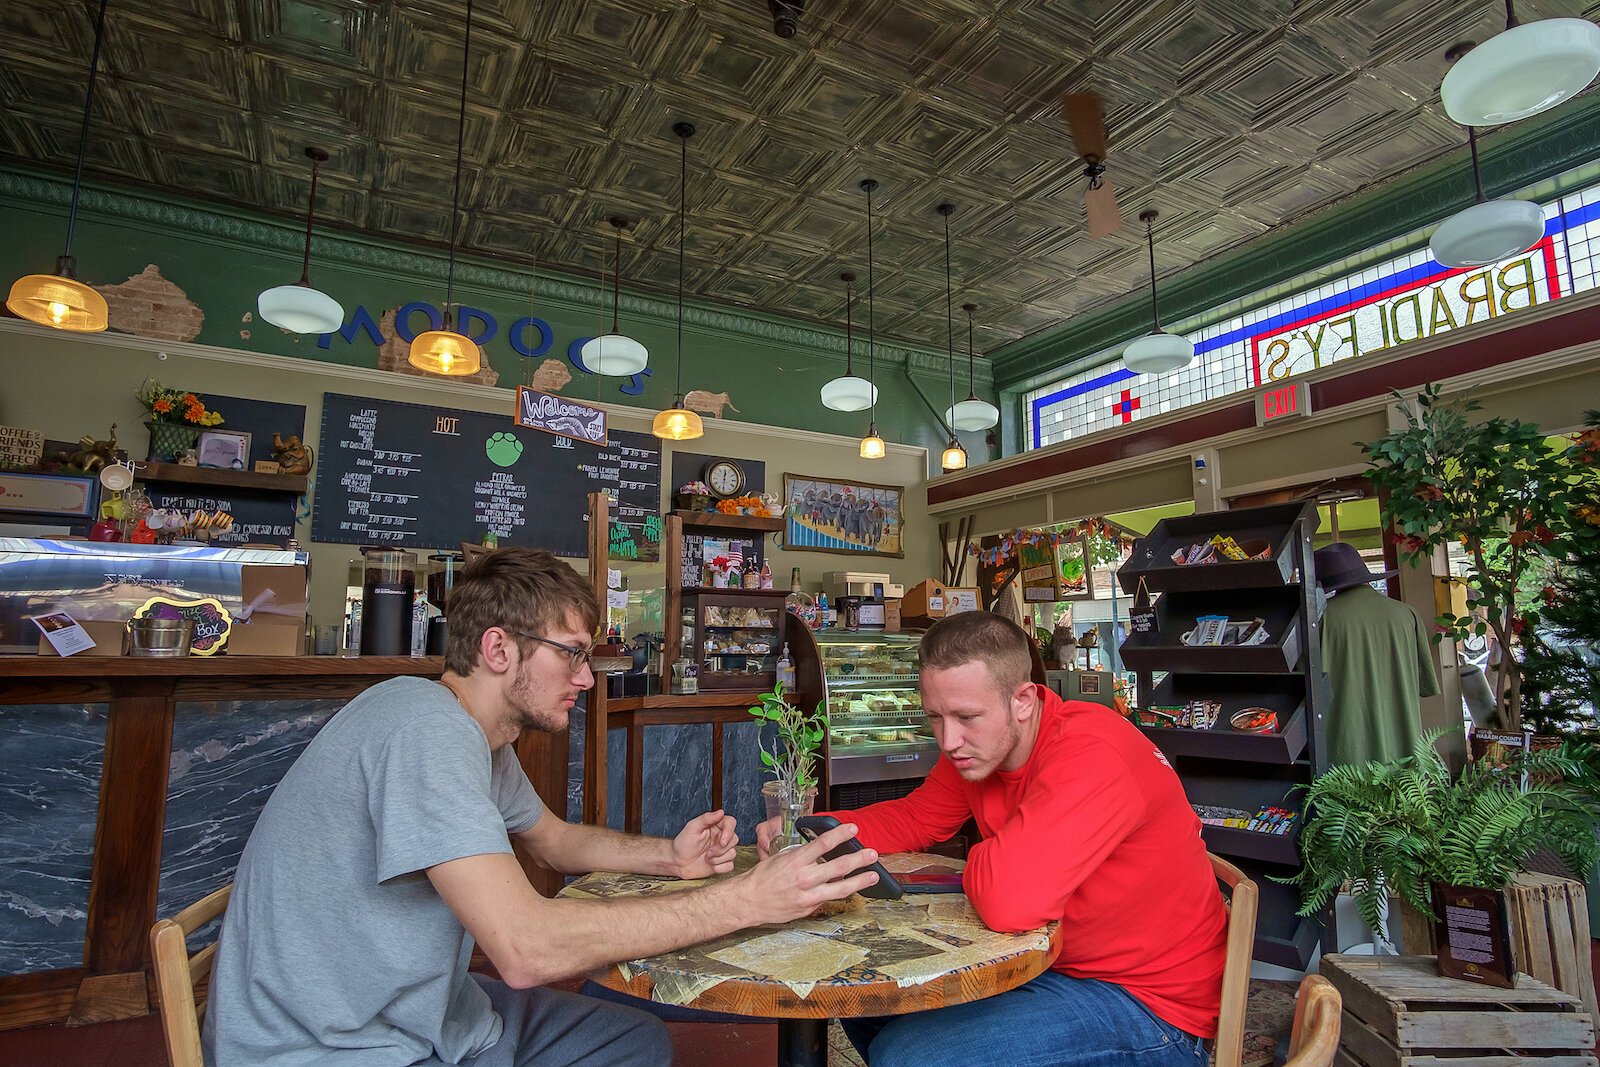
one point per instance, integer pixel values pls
(560, 416)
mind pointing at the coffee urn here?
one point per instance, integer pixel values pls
(388, 589)
(441, 580)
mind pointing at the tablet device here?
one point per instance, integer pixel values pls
(887, 887)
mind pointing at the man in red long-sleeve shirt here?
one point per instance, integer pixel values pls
(1083, 821)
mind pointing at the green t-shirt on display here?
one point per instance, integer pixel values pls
(1379, 661)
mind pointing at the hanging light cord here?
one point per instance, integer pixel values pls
(972, 393)
(849, 301)
(616, 273)
(455, 206)
(872, 353)
(1477, 177)
(311, 213)
(949, 320)
(1511, 16)
(683, 195)
(83, 132)
(1150, 239)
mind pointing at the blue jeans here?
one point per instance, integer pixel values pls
(1052, 1021)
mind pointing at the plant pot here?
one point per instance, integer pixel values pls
(691, 502)
(1473, 935)
(167, 439)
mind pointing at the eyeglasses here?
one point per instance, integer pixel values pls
(577, 657)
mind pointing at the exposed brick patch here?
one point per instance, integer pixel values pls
(148, 305)
(392, 356)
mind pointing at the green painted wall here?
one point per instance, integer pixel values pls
(772, 368)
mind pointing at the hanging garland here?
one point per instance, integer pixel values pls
(1092, 528)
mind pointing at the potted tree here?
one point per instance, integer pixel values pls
(1496, 486)
(1409, 828)
(792, 761)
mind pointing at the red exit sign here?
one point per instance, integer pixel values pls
(1282, 402)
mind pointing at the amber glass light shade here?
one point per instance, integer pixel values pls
(954, 457)
(678, 424)
(445, 352)
(872, 446)
(58, 301)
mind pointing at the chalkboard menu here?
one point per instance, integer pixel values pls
(412, 475)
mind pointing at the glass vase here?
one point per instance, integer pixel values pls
(782, 800)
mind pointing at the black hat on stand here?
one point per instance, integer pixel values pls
(1340, 566)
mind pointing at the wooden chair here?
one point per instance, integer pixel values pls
(179, 975)
(1242, 902)
(1315, 1037)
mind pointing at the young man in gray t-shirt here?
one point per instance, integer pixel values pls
(385, 854)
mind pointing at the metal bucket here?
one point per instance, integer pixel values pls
(159, 637)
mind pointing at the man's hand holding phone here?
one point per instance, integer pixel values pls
(792, 884)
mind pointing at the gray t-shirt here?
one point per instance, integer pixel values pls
(336, 949)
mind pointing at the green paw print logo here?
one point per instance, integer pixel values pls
(503, 449)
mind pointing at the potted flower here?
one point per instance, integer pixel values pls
(175, 418)
(692, 496)
(1409, 828)
(721, 567)
(793, 761)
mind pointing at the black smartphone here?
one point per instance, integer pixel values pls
(931, 882)
(813, 826)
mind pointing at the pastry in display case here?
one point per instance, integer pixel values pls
(877, 731)
(737, 639)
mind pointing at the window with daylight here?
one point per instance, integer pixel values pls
(1358, 314)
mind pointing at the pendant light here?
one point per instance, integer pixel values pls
(1489, 230)
(445, 351)
(59, 300)
(1529, 68)
(615, 353)
(848, 392)
(299, 308)
(678, 423)
(954, 457)
(1157, 352)
(872, 446)
(972, 413)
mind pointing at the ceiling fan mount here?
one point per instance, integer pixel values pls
(1086, 120)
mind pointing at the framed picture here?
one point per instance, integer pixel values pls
(828, 515)
(1074, 572)
(228, 449)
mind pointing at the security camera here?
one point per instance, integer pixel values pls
(786, 16)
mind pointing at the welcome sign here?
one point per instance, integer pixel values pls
(1416, 307)
(560, 416)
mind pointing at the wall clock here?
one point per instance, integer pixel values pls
(725, 477)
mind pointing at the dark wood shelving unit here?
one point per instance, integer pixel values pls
(1222, 766)
(214, 477)
(715, 520)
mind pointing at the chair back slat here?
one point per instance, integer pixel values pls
(1243, 901)
(1315, 1038)
(178, 975)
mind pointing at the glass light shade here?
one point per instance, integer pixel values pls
(1487, 233)
(445, 352)
(872, 447)
(972, 414)
(59, 302)
(849, 393)
(1525, 70)
(954, 458)
(1158, 353)
(300, 309)
(678, 424)
(615, 354)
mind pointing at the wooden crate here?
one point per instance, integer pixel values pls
(1549, 920)
(1399, 1012)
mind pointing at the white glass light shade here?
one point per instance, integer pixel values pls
(954, 457)
(300, 309)
(615, 354)
(1525, 70)
(1487, 233)
(58, 302)
(677, 424)
(445, 352)
(1158, 353)
(872, 446)
(972, 414)
(849, 393)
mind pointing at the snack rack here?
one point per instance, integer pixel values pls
(1231, 775)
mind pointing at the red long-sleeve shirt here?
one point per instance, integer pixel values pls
(1093, 830)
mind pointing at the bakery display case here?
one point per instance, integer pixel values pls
(876, 729)
(737, 639)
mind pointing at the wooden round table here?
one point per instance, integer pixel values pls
(881, 958)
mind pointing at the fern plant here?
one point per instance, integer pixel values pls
(1406, 825)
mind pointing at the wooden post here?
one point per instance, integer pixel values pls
(599, 556)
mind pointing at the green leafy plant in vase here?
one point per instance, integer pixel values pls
(792, 761)
(1410, 828)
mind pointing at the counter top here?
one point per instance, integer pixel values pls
(721, 698)
(199, 667)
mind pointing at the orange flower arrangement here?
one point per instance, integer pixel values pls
(740, 505)
(173, 405)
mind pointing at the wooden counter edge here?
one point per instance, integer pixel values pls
(216, 666)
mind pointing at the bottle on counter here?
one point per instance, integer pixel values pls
(491, 539)
(786, 670)
(799, 602)
(766, 575)
(822, 611)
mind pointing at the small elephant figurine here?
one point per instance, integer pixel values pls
(293, 457)
(92, 454)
